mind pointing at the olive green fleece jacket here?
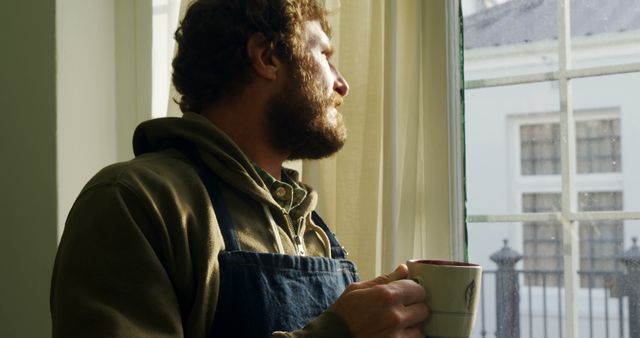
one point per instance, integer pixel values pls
(138, 256)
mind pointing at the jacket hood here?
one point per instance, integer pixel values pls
(217, 150)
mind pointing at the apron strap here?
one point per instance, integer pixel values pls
(337, 250)
(212, 183)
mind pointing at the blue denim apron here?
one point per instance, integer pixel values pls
(265, 292)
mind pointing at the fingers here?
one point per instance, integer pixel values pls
(416, 314)
(412, 331)
(390, 307)
(401, 272)
(407, 291)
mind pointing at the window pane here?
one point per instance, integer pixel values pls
(540, 149)
(507, 128)
(598, 146)
(600, 241)
(605, 32)
(607, 139)
(509, 38)
(542, 240)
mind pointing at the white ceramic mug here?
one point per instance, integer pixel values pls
(452, 295)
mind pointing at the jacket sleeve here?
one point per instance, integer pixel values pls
(107, 279)
(328, 324)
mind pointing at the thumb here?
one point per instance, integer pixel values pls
(401, 272)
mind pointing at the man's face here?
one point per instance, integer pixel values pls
(303, 117)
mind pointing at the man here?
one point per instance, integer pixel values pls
(204, 233)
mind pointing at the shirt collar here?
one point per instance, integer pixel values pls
(286, 192)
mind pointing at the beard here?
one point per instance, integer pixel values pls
(302, 121)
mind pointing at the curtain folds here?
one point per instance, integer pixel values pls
(383, 194)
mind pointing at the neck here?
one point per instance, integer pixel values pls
(242, 119)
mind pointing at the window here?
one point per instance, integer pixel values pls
(551, 119)
(542, 240)
(598, 151)
(600, 241)
(598, 146)
(540, 154)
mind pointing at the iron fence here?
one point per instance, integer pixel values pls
(612, 308)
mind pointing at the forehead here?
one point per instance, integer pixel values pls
(314, 34)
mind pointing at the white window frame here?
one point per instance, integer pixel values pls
(569, 216)
(551, 183)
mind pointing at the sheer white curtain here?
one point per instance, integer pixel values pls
(386, 194)
(387, 191)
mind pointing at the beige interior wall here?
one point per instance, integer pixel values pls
(133, 44)
(86, 95)
(58, 88)
(28, 172)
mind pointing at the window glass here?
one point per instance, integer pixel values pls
(522, 199)
(507, 38)
(505, 129)
(595, 23)
(600, 241)
(540, 149)
(598, 146)
(542, 240)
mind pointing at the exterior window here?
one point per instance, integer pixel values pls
(540, 149)
(542, 240)
(598, 146)
(600, 241)
(598, 151)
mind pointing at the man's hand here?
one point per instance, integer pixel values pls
(387, 306)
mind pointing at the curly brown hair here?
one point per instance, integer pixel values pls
(211, 60)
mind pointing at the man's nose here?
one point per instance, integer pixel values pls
(340, 84)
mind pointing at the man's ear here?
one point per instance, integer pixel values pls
(262, 56)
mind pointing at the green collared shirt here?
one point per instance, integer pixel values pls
(287, 192)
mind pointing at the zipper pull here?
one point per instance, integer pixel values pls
(299, 245)
(301, 248)
(295, 233)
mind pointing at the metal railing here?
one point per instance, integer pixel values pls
(546, 319)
